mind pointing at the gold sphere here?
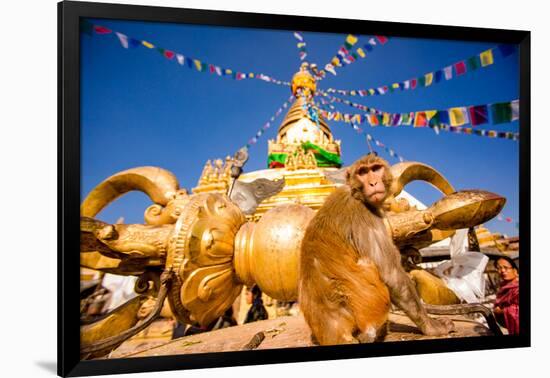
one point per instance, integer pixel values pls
(268, 252)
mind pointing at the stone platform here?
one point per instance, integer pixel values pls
(283, 332)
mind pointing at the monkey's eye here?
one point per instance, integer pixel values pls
(376, 167)
(363, 171)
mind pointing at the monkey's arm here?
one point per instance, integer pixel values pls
(387, 259)
(403, 294)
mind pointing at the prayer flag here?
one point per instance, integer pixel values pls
(438, 76)
(473, 63)
(460, 68)
(382, 39)
(501, 112)
(147, 44)
(386, 119)
(406, 84)
(101, 30)
(372, 41)
(198, 64)
(360, 52)
(422, 81)
(368, 47)
(330, 68)
(169, 54)
(486, 57)
(351, 39)
(428, 79)
(478, 115)
(180, 58)
(458, 116)
(123, 39)
(298, 36)
(420, 119)
(413, 83)
(448, 72)
(132, 42)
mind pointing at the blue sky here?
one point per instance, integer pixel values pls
(139, 108)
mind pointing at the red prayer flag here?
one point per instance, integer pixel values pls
(101, 30)
(508, 219)
(381, 39)
(169, 54)
(212, 68)
(460, 68)
(413, 83)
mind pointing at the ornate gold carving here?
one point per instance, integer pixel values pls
(300, 159)
(215, 177)
(157, 214)
(201, 254)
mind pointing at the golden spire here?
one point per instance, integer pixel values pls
(303, 123)
(303, 80)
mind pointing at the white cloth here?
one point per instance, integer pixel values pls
(463, 274)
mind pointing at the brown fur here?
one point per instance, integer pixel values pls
(350, 268)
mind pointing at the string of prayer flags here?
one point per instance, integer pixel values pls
(301, 45)
(346, 55)
(192, 63)
(451, 120)
(390, 151)
(369, 139)
(269, 123)
(479, 132)
(484, 59)
(349, 103)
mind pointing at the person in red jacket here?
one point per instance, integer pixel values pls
(507, 301)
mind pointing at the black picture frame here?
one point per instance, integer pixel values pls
(69, 14)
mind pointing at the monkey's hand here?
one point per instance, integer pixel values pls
(438, 327)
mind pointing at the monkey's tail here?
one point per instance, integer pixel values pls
(463, 309)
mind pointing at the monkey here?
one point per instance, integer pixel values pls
(350, 269)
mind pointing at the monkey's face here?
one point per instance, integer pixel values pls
(371, 177)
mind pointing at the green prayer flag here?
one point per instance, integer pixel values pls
(422, 81)
(473, 63)
(501, 112)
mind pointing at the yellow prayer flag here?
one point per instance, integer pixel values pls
(335, 61)
(361, 52)
(386, 119)
(197, 64)
(429, 78)
(351, 39)
(457, 116)
(395, 85)
(486, 58)
(251, 75)
(372, 91)
(228, 71)
(147, 44)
